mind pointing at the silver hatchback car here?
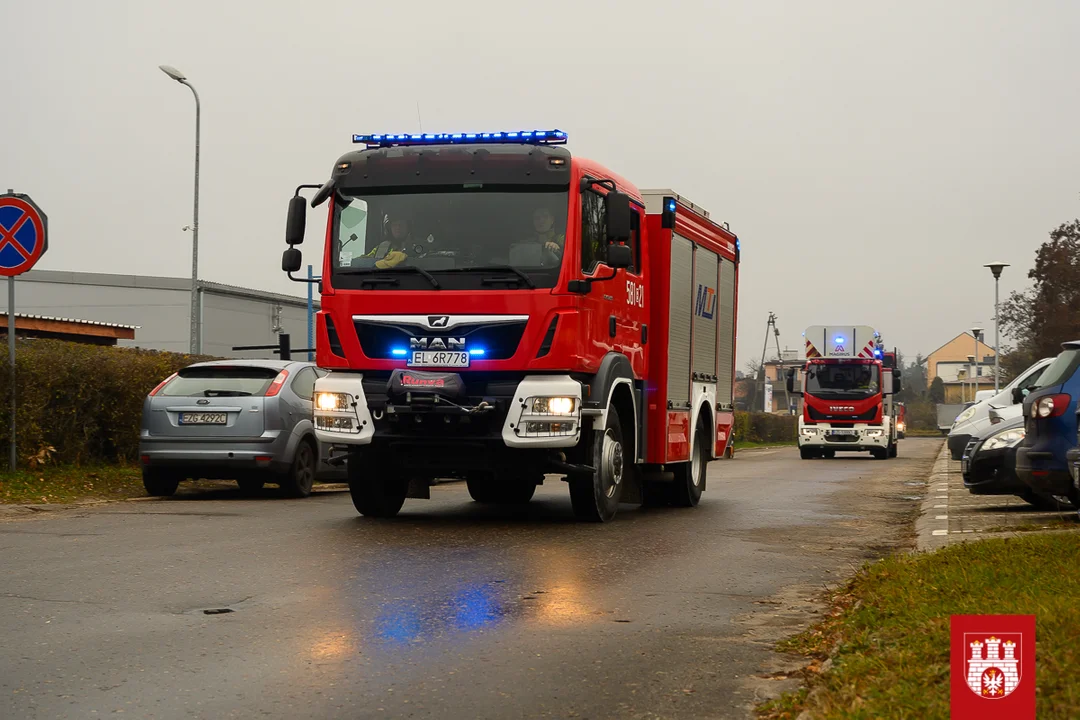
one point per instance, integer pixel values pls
(243, 420)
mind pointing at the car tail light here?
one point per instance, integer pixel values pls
(162, 384)
(275, 387)
(1051, 406)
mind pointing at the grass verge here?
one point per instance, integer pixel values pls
(743, 445)
(71, 483)
(889, 627)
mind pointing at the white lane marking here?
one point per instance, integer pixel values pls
(940, 532)
(942, 517)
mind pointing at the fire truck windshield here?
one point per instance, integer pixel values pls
(467, 237)
(848, 381)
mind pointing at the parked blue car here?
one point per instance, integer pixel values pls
(1050, 425)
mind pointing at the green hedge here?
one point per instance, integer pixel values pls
(83, 400)
(762, 427)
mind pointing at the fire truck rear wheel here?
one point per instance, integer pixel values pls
(595, 497)
(690, 476)
(377, 489)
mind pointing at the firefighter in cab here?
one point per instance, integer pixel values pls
(394, 250)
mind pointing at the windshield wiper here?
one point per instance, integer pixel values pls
(397, 269)
(496, 268)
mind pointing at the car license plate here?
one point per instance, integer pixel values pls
(439, 358)
(203, 418)
(845, 431)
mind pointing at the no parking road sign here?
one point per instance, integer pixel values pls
(23, 234)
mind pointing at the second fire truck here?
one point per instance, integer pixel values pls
(497, 309)
(847, 387)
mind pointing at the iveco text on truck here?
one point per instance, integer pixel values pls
(847, 386)
(497, 309)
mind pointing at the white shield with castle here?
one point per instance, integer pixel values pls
(993, 665)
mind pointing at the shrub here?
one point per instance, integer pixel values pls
(765, 427)
(85, 401)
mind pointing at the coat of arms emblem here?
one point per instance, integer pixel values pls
(993, 664)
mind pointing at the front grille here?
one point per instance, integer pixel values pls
(498, 341)
(842, 438)
(816, 414)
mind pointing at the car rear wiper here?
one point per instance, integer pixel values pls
(397, 269)
(496, 268)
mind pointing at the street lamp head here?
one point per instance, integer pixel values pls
(173, 73)
(996, 268)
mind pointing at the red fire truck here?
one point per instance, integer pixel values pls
(497, 310)
(847, 388)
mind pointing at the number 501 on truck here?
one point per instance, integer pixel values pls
(496, 309)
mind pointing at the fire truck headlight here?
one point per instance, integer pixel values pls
(809, 432)
(551, 405)
(875, 433)
(900, 427)
(328, 402)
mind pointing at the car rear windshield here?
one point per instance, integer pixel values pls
(231, 381)
(1061, 369)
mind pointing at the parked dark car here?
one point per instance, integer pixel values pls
(989, 465)
(243, 420)
(1051, 427)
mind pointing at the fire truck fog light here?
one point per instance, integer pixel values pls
(550, 405)
(543, 427)
(334, 424)
(332, 401)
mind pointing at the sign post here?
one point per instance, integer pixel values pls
(23, 240)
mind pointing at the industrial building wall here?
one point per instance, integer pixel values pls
(162, 314)
(160, 307)
(230, 321)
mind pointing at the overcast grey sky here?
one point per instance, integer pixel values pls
(872, 156)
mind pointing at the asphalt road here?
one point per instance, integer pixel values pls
(451, 610)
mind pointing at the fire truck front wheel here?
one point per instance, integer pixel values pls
(595, 496)
(376, 489)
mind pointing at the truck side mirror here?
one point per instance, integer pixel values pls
(617, 216)
(793, 385)
(619, 256)
(1018, 395)
(897, 382)
(291, 260)
(294, 223)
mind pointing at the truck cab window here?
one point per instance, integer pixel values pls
(593, 230)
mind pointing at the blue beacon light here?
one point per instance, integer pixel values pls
(398, 352)
(528, 137)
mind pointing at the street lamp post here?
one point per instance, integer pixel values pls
(971, 361)
(996, 268)
(196, 325)
(977, 332)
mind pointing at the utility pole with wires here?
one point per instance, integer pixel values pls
(780, 357)
(764, 348)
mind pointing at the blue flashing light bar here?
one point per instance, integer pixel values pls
(399, 352)
(479, 352)
(839, 340)
(671, 205)
(528, 137)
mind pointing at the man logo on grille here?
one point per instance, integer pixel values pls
(437, 321)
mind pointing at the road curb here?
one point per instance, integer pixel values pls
(932, 526)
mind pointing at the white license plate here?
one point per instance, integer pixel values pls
(844, 432)
(203, 418)
(439, 358)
